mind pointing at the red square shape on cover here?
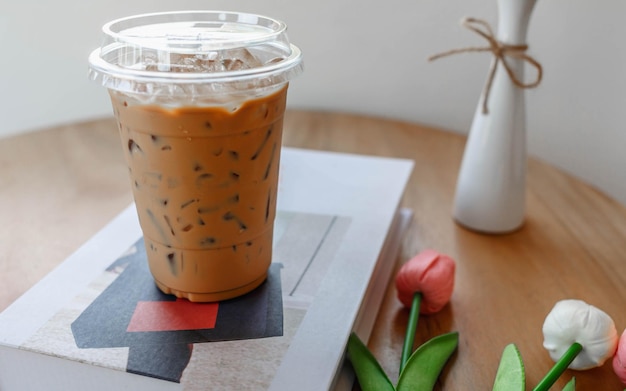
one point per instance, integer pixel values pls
(173, 315)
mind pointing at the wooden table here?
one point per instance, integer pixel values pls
(59, 186)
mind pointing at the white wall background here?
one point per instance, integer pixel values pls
(361, 56)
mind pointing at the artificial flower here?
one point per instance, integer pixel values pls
(619, 360)
(432, 275)
(427, 277)
(574, 321)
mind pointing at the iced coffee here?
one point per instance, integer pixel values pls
(200, 118)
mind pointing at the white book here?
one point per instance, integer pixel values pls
(97, 322)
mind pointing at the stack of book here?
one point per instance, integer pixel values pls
(97, 322)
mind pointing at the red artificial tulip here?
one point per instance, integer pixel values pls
(431, 274)
(619, 360)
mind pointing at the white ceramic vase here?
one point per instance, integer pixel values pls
(490, 192)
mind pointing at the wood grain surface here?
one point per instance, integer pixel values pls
(59, 186)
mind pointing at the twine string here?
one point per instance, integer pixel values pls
(500, 51)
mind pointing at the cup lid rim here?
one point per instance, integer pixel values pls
(106, 62)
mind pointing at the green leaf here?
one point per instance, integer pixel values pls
(510, 375)
(370, 374)
(427, 362)
(571, 386)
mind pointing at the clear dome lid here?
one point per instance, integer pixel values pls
(211, 51)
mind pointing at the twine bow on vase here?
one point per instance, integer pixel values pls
(490, 190)
(500, 51)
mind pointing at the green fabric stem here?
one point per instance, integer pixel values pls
(407, 347)
(559, 367)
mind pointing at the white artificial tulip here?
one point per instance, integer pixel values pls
(573, 321)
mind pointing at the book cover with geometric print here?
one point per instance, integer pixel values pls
(98, 321)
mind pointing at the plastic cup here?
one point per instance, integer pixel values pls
(199, 97)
